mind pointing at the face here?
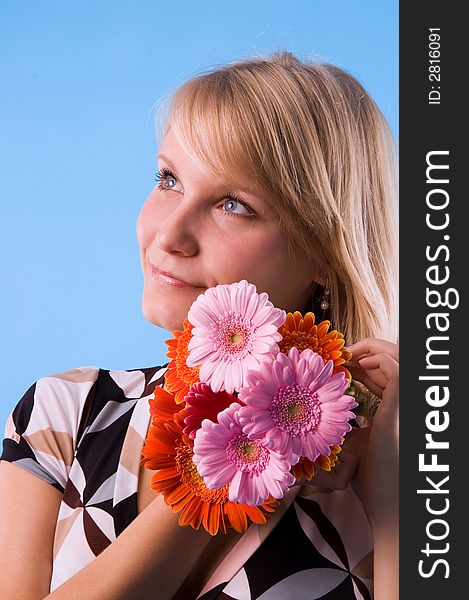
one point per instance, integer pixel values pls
(193, 236)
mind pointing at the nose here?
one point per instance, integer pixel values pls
(177, 233)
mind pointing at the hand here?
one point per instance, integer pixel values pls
(375, 363)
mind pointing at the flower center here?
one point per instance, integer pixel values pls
(193, 480)
(237, 338)
(295, 409)
(232, 336)
(246, 454)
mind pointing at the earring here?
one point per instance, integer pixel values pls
(325, 299)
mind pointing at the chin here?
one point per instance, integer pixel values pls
(163, 315)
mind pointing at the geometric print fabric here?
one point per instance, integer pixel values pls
(82, 431)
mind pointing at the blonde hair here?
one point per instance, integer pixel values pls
(316, 142)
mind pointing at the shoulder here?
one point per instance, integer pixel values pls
(53, 401)
(43, 429)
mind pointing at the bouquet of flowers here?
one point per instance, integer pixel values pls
(254, 399)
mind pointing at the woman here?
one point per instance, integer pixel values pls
(283, 173)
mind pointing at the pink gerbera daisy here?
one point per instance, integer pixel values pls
(297, 402)
(223, 454)
(235, 329)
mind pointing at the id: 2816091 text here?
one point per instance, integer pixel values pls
(434, 67)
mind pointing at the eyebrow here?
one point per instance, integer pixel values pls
(165, 158)
(232, 185)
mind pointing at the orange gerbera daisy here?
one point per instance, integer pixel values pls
(302, 332)
(169, 451)
(179, 377)
(308, 469)
(162, 405)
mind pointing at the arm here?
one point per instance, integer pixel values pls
(376, 363)
(28, 513)
(369, 460)
(385, 524)
(150, 558)
(386, 560)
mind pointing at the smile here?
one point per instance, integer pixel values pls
(166, 279)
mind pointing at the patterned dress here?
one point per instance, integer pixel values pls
(82, 431)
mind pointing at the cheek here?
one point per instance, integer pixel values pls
(271, 251)
(145, 225)
(258, 257)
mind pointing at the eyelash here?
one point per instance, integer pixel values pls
(164, 172)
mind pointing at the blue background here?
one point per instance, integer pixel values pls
(80, 82)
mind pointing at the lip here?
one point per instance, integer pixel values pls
(167, 278)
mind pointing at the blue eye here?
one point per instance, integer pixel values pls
(234, 200)
(164, 173)
(161, 175)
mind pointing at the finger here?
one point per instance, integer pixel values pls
(384, 362)
(390, 369)
(374, 346)
(359, 374)
(375, 378)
